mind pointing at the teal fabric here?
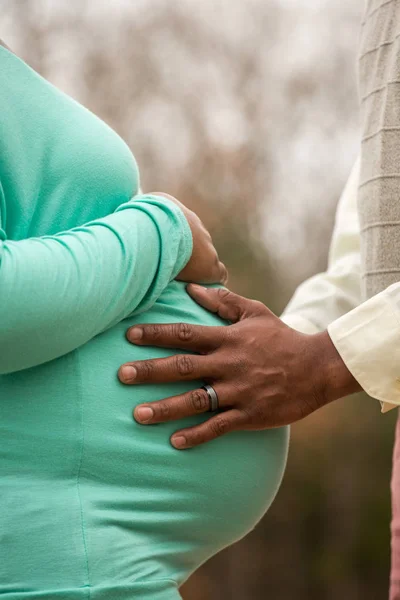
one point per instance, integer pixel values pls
(92, 505)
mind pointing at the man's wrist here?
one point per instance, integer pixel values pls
(335, 379)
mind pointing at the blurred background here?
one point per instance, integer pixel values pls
(246, 110)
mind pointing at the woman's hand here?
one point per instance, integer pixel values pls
(204, 265)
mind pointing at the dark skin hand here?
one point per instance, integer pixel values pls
(265, 373)
(204, 265)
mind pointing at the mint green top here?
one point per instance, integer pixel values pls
(77, 254)
(92, 505)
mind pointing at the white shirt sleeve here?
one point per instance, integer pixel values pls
(367, 336)
(368, 340)
(329, 295)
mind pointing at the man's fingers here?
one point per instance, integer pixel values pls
(177, 407)
(177, 335)
(181, 367)
(215, 427)
(226, 304)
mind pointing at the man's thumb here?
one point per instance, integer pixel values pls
(226, 304)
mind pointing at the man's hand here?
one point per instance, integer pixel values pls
(265, 373)
(204, 265)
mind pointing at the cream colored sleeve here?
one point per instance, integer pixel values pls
(329, 295)
(367, 335)
(368, 340)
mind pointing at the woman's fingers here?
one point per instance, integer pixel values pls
(177, 407)
(203, 265)
(225, 422)
(178, 335)
(181, 367)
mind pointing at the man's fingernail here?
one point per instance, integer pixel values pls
(196, 287)
(144, 414)
(135, 334)
(128, 373)
(179, 441)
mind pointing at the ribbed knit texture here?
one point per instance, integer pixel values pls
(379, 188)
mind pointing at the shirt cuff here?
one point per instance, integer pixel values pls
(176, 221)
(368, 340)
(299, 323)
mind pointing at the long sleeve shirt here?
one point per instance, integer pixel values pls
(80, 248)
(366, 334)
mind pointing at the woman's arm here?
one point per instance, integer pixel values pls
(57, 292)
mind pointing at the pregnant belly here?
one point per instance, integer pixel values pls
(146, 507)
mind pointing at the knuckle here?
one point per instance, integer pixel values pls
(183, 332)
(153, 331)
(198, 401)
(224, 295)
(256, 414)
(219, 426)
(229, 298)
(240, 364)
(184, 365)
(146, 369)
(258, 307)
(232, 335)
(164, 410)
(256, 304)
(196, 437)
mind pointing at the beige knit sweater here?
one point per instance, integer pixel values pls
(379, 187)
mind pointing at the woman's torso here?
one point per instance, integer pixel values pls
(91, 499)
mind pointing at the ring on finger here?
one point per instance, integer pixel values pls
(212, 396)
